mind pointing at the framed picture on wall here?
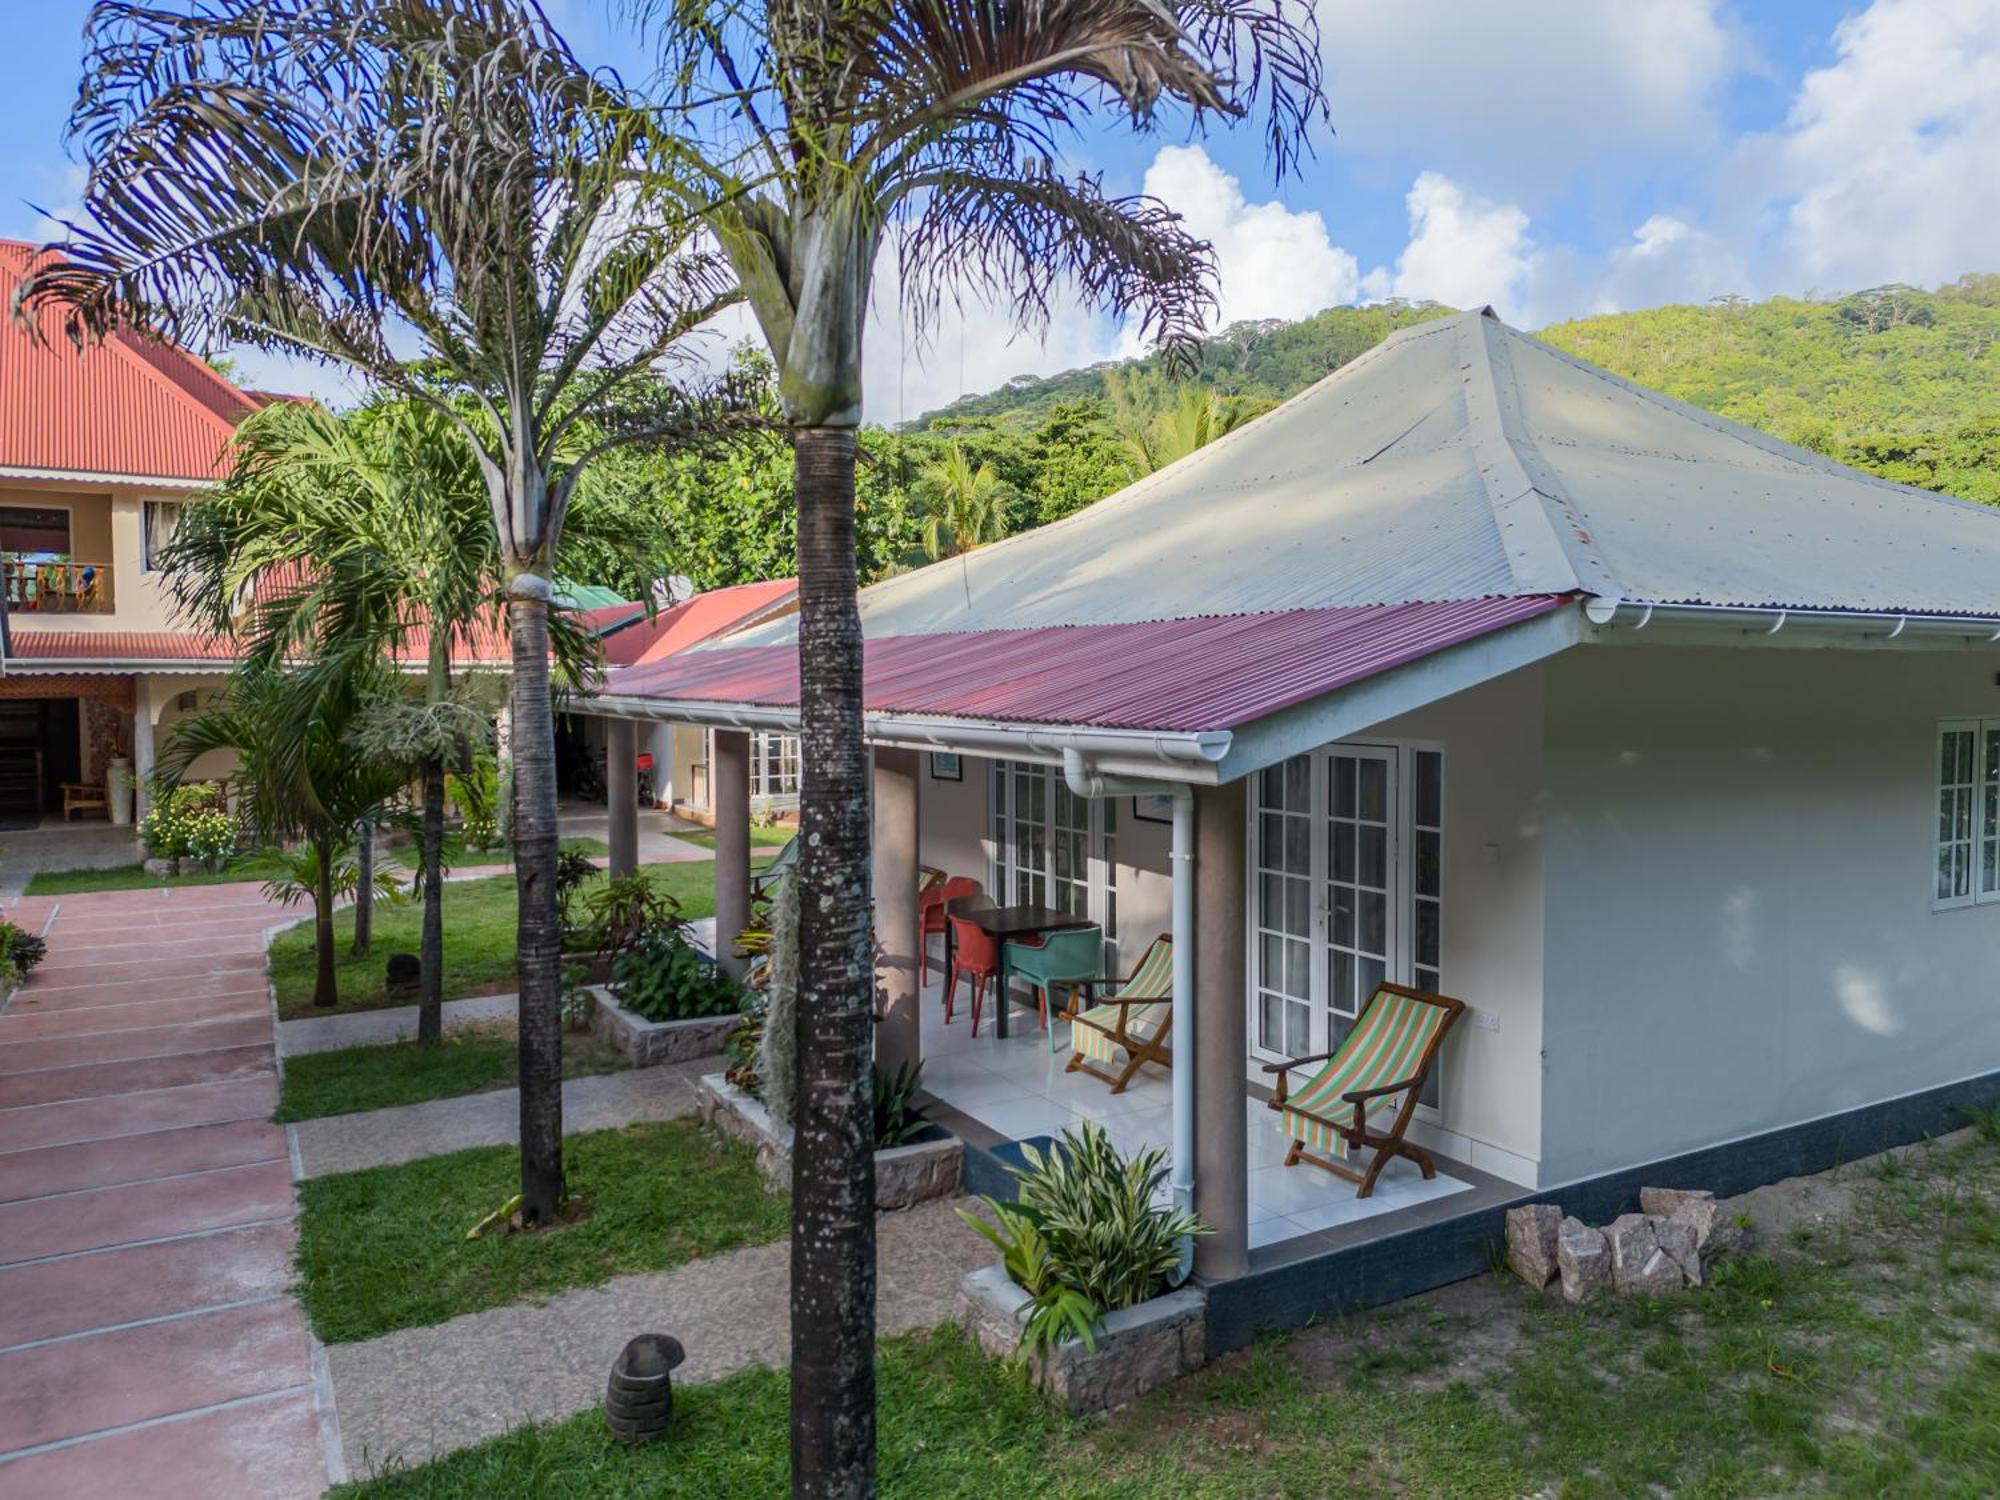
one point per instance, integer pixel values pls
(1155, 807)
(946, 765)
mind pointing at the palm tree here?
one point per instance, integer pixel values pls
(301, 773)
(1161, 422)
(831, 130)
(966, 504)
(364, 538)
(333, 179)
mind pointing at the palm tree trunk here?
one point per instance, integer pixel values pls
(430, 952)
(326, 990)
(833, 1159)
(540, 932)
(364, 890)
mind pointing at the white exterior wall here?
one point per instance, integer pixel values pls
(1491, 1087)
(1740, 867)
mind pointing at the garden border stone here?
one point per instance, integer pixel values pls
(904, 1175)
(1139, 1349)
(647, 1044)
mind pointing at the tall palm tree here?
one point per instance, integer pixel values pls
(824, 130)
(363, 538)
(315, 177)
(1161, 422)
(966, 504)
(301, 771)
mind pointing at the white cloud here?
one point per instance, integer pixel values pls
(1891, 155)
(1669, 260)
(1270, 262)
(1464, 250)
(1521, 97)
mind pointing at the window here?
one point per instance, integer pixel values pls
(160, 519)
(1346, 865)
(35, 531)
(774, 766)
(1968, 812)
(1054, 848)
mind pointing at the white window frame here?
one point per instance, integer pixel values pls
(1002, 861)
(761, 789)
(1982, 791)
(148, 563)
(1402, 758)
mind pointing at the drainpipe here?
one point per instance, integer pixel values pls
(1086, 782)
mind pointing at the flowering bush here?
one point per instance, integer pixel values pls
(179, 815)
(210, 835)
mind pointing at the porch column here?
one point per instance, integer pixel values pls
(899, 1037)
(1221, 1177)
(142, 746)
(729, 796)
(621, 793)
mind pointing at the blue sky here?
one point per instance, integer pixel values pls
(1553, 157)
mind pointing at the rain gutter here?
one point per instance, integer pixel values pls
(1886, 625)
(1163, 756)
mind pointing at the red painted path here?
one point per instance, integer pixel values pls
(148, 1342)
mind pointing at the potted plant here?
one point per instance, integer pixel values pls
(667, 1000)
(1086, 1295)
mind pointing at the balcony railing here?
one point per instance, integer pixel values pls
(56, 588)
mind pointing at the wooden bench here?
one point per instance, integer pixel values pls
(84, 796)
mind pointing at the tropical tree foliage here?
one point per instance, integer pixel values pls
(964, 503)
(824, 137)
(302, 773)
(314, 177)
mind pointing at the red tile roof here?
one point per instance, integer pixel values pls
(701, 618)
(1217, 672)
(129, 406)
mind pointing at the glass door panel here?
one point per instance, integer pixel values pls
(1282, 952)
(1360, 904)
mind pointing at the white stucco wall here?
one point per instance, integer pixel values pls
(1491, 1089)
(1740, 932)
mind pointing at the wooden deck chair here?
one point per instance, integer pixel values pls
(1389, 1052)
(1137, 1021)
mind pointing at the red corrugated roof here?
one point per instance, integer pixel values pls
(127, 406)
(117, 645)
(701, 618)
(1179, 675)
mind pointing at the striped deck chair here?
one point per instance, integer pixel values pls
(1137, 1021)
(1389, 1052)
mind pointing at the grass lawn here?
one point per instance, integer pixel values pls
(470, 1060)
(259, 866)
(760, 838)
(386, 1248)
(479, 947)
(1848, 1356)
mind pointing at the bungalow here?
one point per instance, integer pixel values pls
(1672, 750)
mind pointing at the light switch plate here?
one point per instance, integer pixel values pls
(1485, 1020)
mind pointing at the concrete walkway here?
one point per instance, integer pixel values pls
(382, 1137)
(392, 1023)
(409, 1396)
(148, 1344)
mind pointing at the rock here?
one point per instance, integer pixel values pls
(1676, 1237)
(1716, 1232)
(1661, 1202)
(1531, 1242)
(1639, 1267)
(161, 869)
(1583, 1259)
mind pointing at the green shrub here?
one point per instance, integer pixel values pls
(20, 949)
(179, 815)
(1088, 1235)
(664, 977)
(898, 1121)
(477, 798)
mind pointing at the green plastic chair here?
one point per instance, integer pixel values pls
(1060, 958)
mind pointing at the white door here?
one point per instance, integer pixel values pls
(1346, 869)
(1051, 847)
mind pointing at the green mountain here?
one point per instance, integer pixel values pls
(1897, 380)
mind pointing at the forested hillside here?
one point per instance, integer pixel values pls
(1899, 381)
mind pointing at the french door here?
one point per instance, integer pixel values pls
(1346, 869)
(1051, 847)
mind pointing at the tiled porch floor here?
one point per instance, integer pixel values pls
(1020, 1089)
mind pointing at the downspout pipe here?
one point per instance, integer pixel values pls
(1086, 782)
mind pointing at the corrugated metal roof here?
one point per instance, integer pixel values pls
(489, 645)
(1172, 675)
(1457, 459)
(702, 618)
(128, 406)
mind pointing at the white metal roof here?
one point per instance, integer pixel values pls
(1460, 459)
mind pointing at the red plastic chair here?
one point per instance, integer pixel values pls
(931, 903)
(976, 955)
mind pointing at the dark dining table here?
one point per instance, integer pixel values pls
(1009, 924)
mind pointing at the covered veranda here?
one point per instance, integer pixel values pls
(1195, 759)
